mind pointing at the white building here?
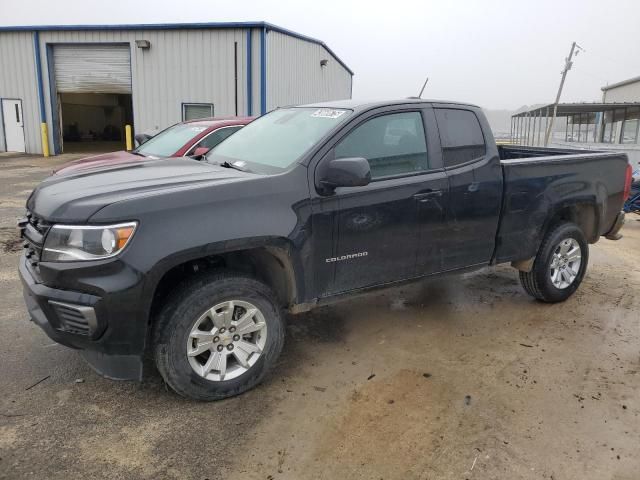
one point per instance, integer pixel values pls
(84, 83)
(624, 91)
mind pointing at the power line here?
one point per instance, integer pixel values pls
(567, 66)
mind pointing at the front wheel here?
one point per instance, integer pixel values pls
(218, 336)
(559, 266)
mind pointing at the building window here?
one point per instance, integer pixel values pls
(607, 133)
(630, 131)
(194, 111)
(630, 125)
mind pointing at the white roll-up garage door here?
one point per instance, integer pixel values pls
(92, 68)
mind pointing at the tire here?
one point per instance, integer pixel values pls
(538, 282)
(190, 307)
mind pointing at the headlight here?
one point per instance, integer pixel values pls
(72, 243)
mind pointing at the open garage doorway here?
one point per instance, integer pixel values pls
(92, 96)
(94, 122)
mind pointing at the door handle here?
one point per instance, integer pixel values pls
(426, 196)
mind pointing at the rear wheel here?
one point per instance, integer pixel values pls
(218, 336)
(559, 266)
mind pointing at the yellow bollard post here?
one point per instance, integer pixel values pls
(127, 132)
(44, 135)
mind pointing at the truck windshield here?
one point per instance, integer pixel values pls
(272, 143)
(169, 141)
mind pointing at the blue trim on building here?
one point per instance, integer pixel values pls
(36, 47)
(249, 73)
(175, 26)
(133, 108)
(4, 129)
(306, 38)
(263, 71)
(53, 97)
(53, 91)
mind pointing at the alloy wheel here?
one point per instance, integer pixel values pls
(565, 263)
(226, 340)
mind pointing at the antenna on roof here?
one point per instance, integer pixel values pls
(422, 89)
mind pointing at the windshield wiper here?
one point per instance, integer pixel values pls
(137, 153)
(226, 164)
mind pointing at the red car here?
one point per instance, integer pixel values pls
(193, 138)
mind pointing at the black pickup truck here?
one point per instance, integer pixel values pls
(195, 262)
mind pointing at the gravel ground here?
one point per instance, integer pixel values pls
(463, 377)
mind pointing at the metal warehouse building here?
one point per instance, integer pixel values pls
(61, 86)
(624, 91)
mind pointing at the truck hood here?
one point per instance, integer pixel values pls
(104, 159)
(76, 197)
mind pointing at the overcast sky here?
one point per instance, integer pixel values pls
(498, 54)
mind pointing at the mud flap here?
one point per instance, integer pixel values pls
(114, 367)
(614, 234)
(524, 265)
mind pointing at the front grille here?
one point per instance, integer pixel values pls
(32, 231)
(78, 319)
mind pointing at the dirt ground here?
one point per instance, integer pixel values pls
(462, 377)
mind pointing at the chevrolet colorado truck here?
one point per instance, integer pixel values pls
(194, 263)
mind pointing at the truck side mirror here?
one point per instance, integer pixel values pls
(346, 172)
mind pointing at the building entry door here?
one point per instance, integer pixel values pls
(13, 124)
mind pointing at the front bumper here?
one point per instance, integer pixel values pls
(106, 327)
(614, 233)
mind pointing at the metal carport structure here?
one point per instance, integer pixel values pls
(597, 118)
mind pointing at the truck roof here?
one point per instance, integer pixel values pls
(360, 105)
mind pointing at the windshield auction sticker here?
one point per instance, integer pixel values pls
(327, 113)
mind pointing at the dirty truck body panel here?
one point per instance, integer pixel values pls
(442, 197)
(537, 188)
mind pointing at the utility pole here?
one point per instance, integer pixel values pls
(567, 66)
(422, 89)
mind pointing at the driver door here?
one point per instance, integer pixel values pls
(377, 228)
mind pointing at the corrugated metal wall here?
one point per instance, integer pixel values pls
(294, 74)
(18, 80)
(623, 93)
(255, 70)
(182, 66)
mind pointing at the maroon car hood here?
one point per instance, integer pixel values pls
(113, 158)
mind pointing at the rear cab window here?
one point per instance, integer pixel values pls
(461, 136)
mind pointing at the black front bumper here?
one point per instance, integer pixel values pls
(107, 329)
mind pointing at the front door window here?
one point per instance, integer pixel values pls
(393, 144)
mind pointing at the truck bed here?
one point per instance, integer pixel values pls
(583, 186)
(519, 152)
